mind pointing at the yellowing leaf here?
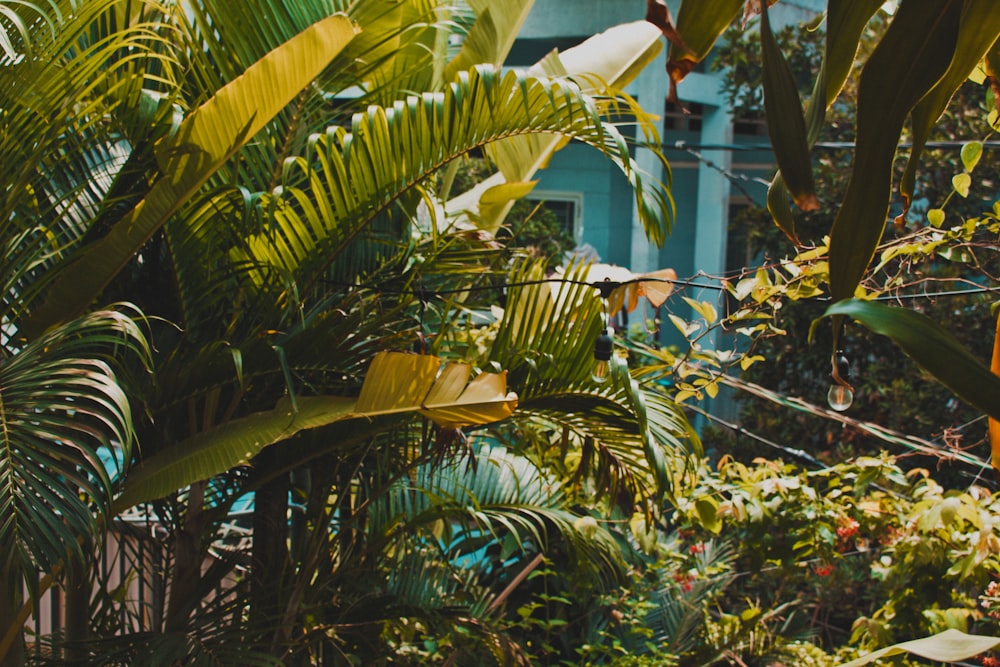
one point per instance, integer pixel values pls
(971, 152)
(935, 217)
(961, 182)
(400, 382)
(703, 308)
(484, 400)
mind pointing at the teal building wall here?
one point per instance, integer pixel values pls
(704, 195)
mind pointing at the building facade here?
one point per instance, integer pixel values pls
(592, 197)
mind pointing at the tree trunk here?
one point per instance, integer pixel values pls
(187, 562)
(10, 605)
(78, 591)
(270, 550)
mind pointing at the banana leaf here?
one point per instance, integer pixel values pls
(396, 383)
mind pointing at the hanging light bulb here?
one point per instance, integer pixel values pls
(603, 349)
(840, 396)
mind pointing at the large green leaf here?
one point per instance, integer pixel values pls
(204, 141)
(912, 56)
(228, 445)
(396, 383)
(845, 22)
(785, 123)
(948, 646)
(979, 30)
(932, 347)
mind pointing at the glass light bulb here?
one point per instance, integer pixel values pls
(601, 372)
(839, 397)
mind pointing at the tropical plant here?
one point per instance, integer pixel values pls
(280, 232)
(902, 79)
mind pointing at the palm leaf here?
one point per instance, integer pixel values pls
(348, 179)
(61, 404)
(396, 383)
(204, 141)
(546, 341)
(497, 493)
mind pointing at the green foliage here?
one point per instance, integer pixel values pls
(910, 557)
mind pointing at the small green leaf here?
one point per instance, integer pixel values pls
(971, 152)
(961, 182)
(935, 216)
(708, 514)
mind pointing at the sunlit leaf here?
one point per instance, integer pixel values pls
(949, 646)
(935, 217)
(401, 382)
(206, 138)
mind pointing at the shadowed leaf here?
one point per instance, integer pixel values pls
(932, 347)
(905, 65)
(785, 122)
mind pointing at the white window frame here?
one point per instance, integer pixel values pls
(563, 196)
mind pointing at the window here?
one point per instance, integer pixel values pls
(565, 206)
(674, 117)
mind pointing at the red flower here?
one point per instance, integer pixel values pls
(824, 570)
(848, 528)
(697, 548)
(989, 661)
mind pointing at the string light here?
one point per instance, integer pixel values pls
(840, 396)
(604, 348)
(604, 345)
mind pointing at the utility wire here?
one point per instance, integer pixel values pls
(610, 285)
(822, 145)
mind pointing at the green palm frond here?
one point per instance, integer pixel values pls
(496, 493)
(205, 140)
(86, 76)
(61, 404)
(348, 179)
(632, 440)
